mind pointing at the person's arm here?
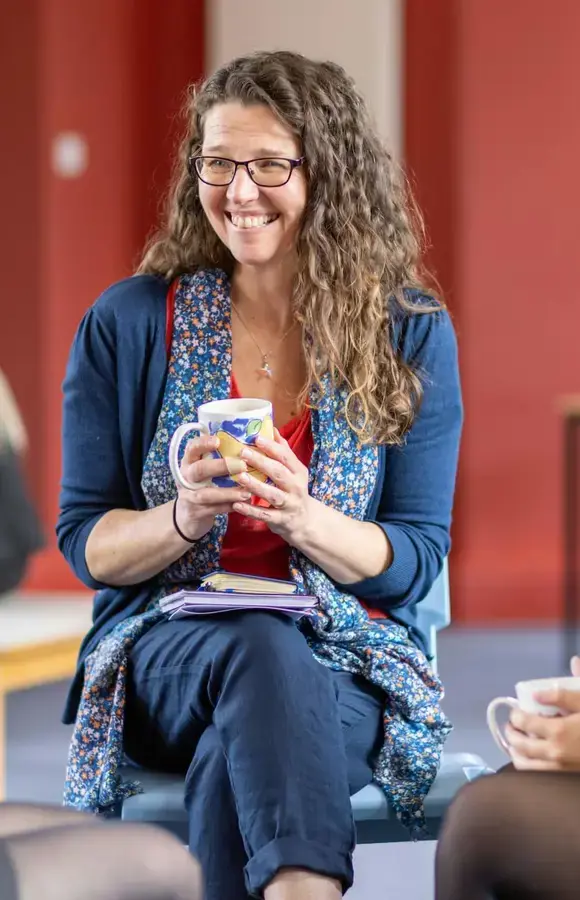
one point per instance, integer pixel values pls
(349, 551)
(415, 508)
(127, 547)
(393, 560)
(95, 488)
(105, 539)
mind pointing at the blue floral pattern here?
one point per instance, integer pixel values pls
(343, 475)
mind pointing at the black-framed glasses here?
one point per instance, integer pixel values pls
(266, 171)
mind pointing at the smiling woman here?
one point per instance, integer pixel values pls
(287, 269)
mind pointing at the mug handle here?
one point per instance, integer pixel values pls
(496, 732)
(174, 446)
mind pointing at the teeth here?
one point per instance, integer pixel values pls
(252, 221)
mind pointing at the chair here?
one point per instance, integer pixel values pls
(162, 804)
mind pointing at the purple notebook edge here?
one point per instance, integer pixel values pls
(184, 612)
(215, 597)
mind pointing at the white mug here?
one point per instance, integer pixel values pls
(527, 702)
(237, 423)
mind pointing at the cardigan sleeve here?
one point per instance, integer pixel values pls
(93, 474)
(113, 389)
(419, 479)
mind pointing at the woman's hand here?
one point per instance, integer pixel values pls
(348, 551)
(196, 509)
(548, 743)
(290, 505)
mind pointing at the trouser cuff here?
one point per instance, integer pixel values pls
(294, 853)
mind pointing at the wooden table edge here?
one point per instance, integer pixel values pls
(30, 665)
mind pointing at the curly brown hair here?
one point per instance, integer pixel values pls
(360, 242)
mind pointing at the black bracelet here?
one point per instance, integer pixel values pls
(176, 526)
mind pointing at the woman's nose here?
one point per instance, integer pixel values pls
(242, 187)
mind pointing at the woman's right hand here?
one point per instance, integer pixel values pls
(197, 508)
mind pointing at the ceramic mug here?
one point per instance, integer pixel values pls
(237, 423)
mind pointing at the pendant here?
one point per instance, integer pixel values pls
(265, 369)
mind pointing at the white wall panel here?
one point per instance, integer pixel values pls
(364, 37)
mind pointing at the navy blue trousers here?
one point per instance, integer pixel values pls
(272, 744)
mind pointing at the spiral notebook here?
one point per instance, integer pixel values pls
(224, 592)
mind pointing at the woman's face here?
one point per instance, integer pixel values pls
(258, 225)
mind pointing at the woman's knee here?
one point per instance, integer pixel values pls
(468, 839)
(20, 818)
(138, 861)
(477, 804)
(154, 864)
(171, 871)
(474, 825)
(494, 809)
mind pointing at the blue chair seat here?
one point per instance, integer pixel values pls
(162, 802)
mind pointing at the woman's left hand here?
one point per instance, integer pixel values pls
(290, 505)
(548, 743)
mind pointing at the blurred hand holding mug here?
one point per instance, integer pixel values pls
(543, 732)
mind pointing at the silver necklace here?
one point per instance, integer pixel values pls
(265, 369)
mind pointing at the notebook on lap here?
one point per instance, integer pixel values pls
(223, 592)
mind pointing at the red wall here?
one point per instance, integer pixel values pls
(493, 141)
(115, 72)
(493, 138)
(20, 233)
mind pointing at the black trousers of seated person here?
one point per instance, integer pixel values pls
(512, 836)
(272, 743)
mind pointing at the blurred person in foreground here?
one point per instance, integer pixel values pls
(288, 270)
(516, 835)
(48, 853)
(20, 531)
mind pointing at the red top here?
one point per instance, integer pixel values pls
(249, 546)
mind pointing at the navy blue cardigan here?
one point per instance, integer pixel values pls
(113, 392)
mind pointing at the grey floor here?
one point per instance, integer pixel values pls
(475, 666)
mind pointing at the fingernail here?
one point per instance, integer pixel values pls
(246, 454)
(235, 466)
(244, 478)
(246, 496)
